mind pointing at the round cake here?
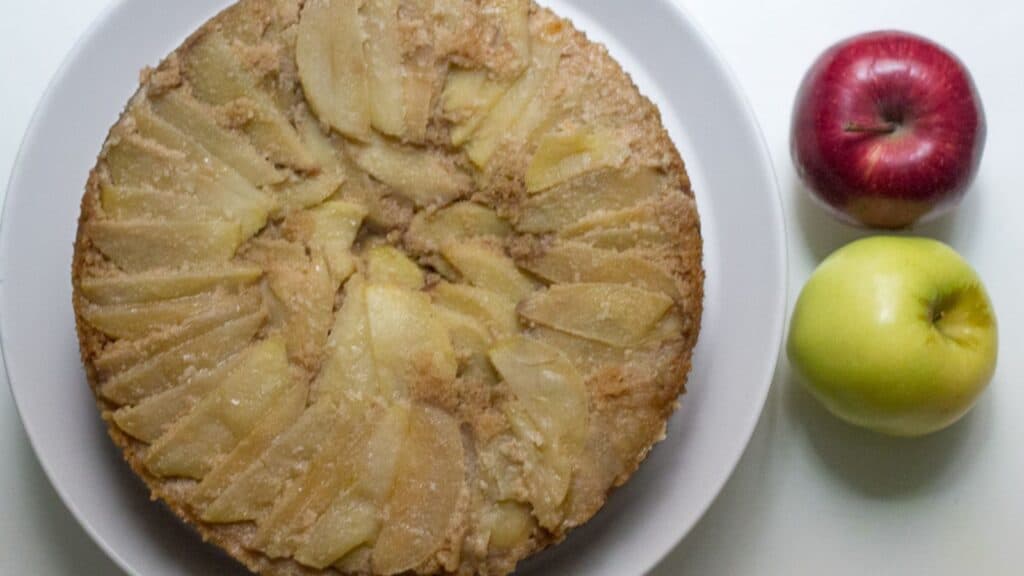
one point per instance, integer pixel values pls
(387, 286)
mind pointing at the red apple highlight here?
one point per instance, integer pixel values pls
(888, 129)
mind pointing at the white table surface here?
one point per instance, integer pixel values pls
(811, 495)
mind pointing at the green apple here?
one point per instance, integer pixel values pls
(894, 334)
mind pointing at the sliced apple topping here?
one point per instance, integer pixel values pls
(225, 416)
(300, 504)
(423, 177)
(151, 418)
(349, 370)
(131, 203)
(548, 413)
(388, 265)
(166, 369)
(468, 335)
(508, 524)
(249, 490)
(198, 121)
(286, 410)
(495, 311)
(625, 229)
(517, 114)
(315, 135)
(468, 96)
(567, 203)
(304, 193)
(127, 203)
(220, 78)
(577, 262)
(384, 66)
(124, 354)
(140, 245)
(332, 66)
(332, 228)
(616, 314)
(154, 286)
(303, 291)
(488, 267)
(424, 503)
(410, 345)
(136, 320)
(563, 156)
(134, 162)
(460, 221)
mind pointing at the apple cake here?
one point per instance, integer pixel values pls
(387, 286)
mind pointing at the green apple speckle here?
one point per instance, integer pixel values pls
(894, 334)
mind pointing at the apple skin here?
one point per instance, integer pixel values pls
(888, 130)
(894, 334)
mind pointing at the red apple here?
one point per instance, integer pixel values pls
(888, 129)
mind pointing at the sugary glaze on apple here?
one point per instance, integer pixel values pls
(376, 286)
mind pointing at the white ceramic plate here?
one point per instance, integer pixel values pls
(745, 258)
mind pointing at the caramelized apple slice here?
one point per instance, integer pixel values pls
(576, 262)
(136, 320)
(285, 412)
(219, 77)
(460, 221)
(193, 118)
(508, 524)
(153, 286)
(131, 203)
(353, 517)
(135, 162)
(349, 369)
(495, 311)
(302, 294)
(517, 114)
(566, 204)
(468, 335)
(487, 267)
(332, 67)
(561, 157)
(388, 265)
(615, 314)
(124, 354)
(589, 355)
(410, 346)
(384, 66)
(625, 229)
(279, 534)
(225, 416)
(252, 489)
(469, 95)
(166, 369)
(332, 227)
(425, 500)
(151, 418)
(140, 245)
(318, 142)
(303, 193)
(424, 178)
(548, 413)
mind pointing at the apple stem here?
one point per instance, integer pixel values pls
(884, 128)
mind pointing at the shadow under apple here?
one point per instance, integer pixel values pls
(877, 465)
(822, 234)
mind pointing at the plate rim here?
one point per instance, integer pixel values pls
(768, 175)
